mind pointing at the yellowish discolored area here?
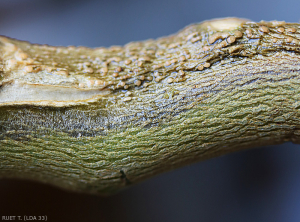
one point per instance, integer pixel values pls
(224, 24)
(38, 74)
(22, 94)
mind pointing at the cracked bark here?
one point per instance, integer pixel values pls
(96, 120)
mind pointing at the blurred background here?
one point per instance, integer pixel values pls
(255, 185)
